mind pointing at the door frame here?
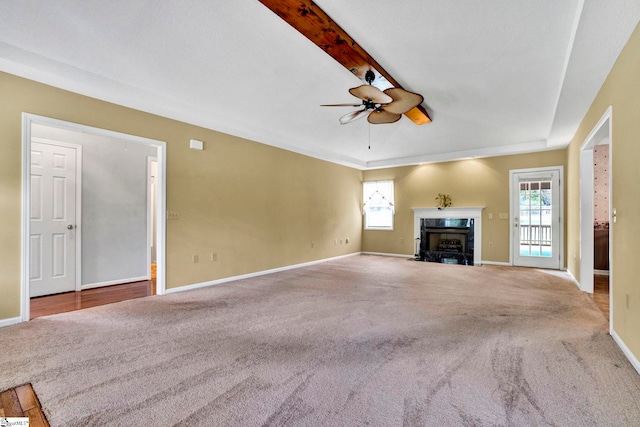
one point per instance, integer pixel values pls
(561, 214)
(78, 221)
(27, 120)
(151, 194)
(602, 130)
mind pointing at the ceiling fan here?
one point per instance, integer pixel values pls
(379, 107)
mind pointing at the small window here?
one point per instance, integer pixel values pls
(378, 207)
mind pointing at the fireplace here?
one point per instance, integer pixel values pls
(446, 240)
(450, 235)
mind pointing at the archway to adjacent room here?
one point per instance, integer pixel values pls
(596, 212)
(85, 272)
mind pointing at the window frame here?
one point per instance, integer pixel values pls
(367, 197)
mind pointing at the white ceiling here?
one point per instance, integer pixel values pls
(498, 76)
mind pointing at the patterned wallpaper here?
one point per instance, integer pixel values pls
(601, 186)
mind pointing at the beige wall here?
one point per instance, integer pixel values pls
(476, 182)
(259, 207)
(256, 206)
(621, 90)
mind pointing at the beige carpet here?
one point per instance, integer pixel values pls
(365, 340)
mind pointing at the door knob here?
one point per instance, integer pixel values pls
(69, 227)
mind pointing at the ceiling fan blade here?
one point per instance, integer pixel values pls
(379, 117)
(403, 100)
(367, 92)
(354, 115)
(341, 105)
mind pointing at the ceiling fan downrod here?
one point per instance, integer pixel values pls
(369, 76)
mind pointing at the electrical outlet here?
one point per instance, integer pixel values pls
(313, 245)
(195, 258)
(346, 240)
(172, 215)
(214, 256)
(335, 241)
(490, 215)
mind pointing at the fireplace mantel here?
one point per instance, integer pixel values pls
(463, 212)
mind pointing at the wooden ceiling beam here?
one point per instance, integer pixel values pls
(312, 22)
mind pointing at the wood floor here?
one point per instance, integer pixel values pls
(601, 294)
(22, 402)
(70, 301)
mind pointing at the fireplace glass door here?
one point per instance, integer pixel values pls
(447, 240)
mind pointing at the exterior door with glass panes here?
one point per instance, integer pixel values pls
(535, 218)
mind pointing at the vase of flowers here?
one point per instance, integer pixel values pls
(443, 201)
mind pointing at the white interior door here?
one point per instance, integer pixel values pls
(536, 212)
(52, 257)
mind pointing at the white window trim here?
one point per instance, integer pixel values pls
(392, 204)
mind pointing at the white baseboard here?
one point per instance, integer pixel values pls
(573, 279)
(10, 321)
(250, 275)
(114, 282)
(632, 358)
(389, 254)
(503, 264)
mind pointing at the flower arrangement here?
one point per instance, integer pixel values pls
(443, 201)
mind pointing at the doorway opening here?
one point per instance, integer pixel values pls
(596, 215)
(152, 220)
(115, 207)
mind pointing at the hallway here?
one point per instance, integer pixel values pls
(601, 293)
